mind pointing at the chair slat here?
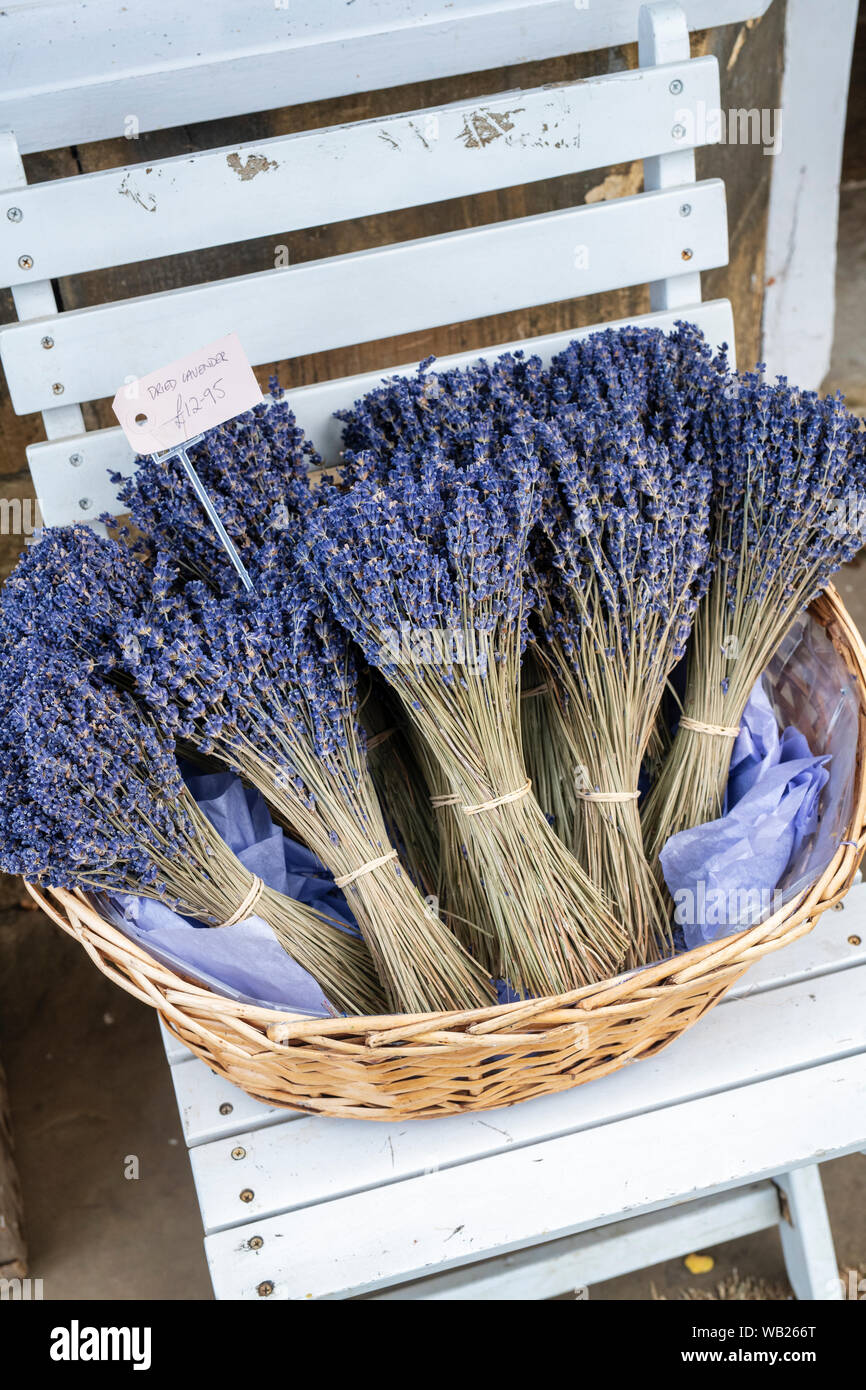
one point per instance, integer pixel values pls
(574, 1262)
(318, 177)
(300, 1166)
(68, 472)
(113, 68)
(372, 294)
(540, 1191)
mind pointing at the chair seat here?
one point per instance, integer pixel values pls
(771, 1080)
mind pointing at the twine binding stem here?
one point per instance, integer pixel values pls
(608, 796)
(719, 730)
(368, 868)
(498, 800)
(245, 909)
(451, 799)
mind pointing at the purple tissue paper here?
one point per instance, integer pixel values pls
(245, 961)
(723, 875)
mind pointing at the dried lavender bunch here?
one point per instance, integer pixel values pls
(91, 798)
(620, 571)
(669, 379)
(462, 415)
(267, 683)
(425, 569)
(789, 470)
(255, 469)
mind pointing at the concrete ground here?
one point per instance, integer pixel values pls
(90, 1088)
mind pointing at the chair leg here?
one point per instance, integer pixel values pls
(807, 1242)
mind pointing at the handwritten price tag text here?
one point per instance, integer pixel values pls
(195, 393)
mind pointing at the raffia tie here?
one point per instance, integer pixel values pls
(719, 730)
(450, 800)
(608, 796)
(497, 801)
(245, 909)
(368, 868)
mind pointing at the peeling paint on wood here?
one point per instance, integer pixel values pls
(127, 189)
(481, 127)
(253, 165)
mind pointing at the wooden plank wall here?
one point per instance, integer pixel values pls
(750, 58)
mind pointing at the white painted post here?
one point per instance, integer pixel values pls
(807, 1242)
(799, 304)
(663, 37)
(34, 299)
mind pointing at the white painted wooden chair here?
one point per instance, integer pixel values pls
(721, 1134)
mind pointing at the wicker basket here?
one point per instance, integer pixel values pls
(415, 1066)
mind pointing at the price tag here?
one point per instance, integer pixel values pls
(187, 397)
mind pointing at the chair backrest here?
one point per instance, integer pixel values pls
(107, 59)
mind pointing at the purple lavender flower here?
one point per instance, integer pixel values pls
(90, 793)
(668, 379)
(787, 466)
(622, 520)
(462, 415)
(67, 592)
(436, 546)
(255, 470)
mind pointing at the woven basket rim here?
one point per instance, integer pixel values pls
(167, 989)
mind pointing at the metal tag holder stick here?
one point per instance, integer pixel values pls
(180, 452)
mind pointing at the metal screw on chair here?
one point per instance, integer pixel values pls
(678, 131)
(687, 253)
(85, 503)
(226, 1108)
(48, 342)
(265, 1289)
(247, 1195)
(239, 1152)
(675, 87)
(255, 1242)
(686, 210)
(14, 214)
(76, 460)
(58, 388)
(25, 262)
(853, 940)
